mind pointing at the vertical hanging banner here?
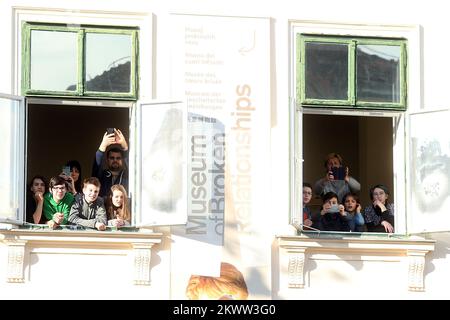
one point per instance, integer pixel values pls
(221, 66)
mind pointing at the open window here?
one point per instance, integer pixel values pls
(352, 88)
(351, 72)
(160, 164)
(367, 141)
(402, 146)
(429, 171)
(80, 79)
(84, 61)
(12, 159)
(60, 130)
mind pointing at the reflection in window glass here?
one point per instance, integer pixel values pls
(378, 73)
(163, 193)
(53, 60)
(430, 170)
(326, 71)
(108, 62)
(8, 160)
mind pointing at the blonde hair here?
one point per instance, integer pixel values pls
(122, 212)
(231, 283)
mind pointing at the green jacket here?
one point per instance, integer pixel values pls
(51, 207)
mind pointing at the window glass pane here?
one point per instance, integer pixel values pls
(378, 73)
(53, 60)
(430, 171)
(9, 148)
(162, 165)
(108, 62)
(326, 71)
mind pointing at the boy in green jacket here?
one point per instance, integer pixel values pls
(57, 203)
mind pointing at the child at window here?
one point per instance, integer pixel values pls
(119, 214)
(353, 209)
(307, 196)
(332, 216)
(57, 203)
(379, 216)
(88, 209)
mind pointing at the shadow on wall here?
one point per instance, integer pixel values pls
(441, 252)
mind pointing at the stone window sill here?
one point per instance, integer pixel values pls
(294, 250)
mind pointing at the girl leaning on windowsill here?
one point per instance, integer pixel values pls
(117, 208)
(379, 217)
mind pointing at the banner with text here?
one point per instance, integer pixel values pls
(221, 65)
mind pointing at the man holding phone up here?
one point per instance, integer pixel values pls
(337, 178)
(116, 161)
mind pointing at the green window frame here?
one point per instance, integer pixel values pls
(351, 45)
(80, 87)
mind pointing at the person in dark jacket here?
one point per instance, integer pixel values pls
(35, 200)
(75, 174)
(379, 216)
(116, 171)
(332, 217)
(88, 209)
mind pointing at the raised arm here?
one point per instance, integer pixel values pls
(120, 139)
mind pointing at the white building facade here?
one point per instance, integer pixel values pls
(222, 134)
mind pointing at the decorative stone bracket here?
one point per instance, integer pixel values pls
(415, 270)
(16, 257)
(142, 258)
(296, 277)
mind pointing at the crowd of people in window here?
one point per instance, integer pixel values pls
(96, 202)
(341, 208)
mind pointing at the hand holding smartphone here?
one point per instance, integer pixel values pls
(109, 130)
(66, 170)
(338, 173)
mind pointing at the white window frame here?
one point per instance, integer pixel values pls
(145, 215)
(140, 218)
(144, 21)
(420, 221)
(412, 35)
(141, 20)
(16, 199)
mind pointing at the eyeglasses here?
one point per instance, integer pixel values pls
(59, 188)
(115, 158)
(307, 193)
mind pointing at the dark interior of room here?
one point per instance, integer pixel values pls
(59, 133)
(365, 144)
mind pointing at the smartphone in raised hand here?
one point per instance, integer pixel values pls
(338, 173)
(66, 170)
(109, 130)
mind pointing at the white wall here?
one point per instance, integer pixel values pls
(430, 15)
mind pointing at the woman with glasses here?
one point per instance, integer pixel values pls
(307, 214)
(379, 216)
(57, 203)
